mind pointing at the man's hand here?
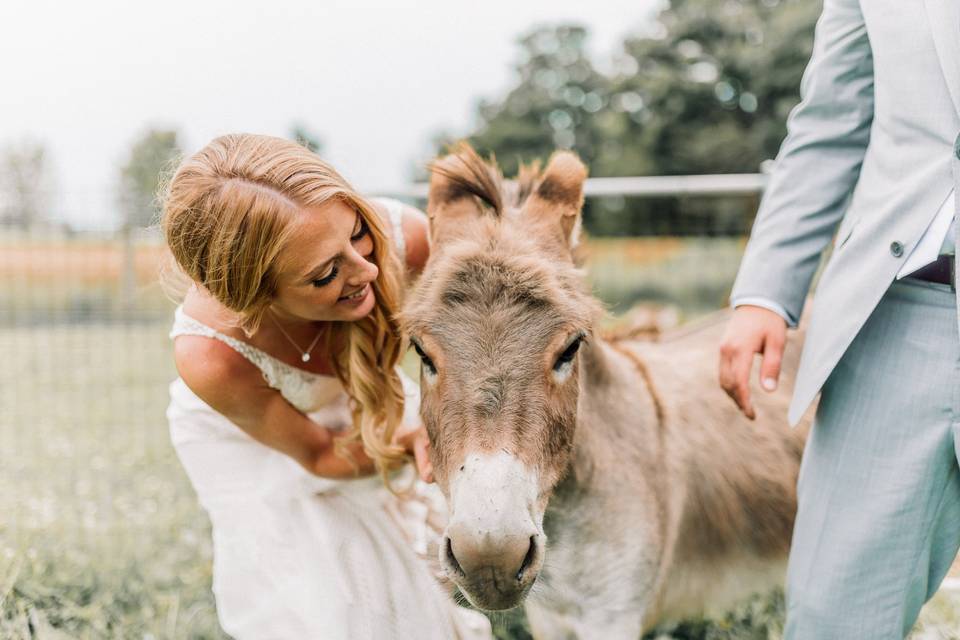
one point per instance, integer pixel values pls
(752, 330)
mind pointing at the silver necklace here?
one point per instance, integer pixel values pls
(304, 355)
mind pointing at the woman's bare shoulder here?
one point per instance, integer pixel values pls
(202, 307)
(416, 234)
(214, 370)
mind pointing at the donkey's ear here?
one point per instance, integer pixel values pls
(557, 199)
(463, 188)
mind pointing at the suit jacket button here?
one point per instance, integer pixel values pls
(896, 248)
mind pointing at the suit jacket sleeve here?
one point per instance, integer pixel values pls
(818, 164)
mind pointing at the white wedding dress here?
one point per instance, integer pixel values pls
(301, 557)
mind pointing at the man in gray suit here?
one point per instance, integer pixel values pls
(874, 147)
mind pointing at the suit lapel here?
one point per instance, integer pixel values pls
(944, 18)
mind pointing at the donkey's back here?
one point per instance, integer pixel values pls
(613, 482)
(732, 481)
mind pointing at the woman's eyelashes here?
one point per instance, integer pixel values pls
(360, 230)
(327, 279)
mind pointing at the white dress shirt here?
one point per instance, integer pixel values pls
(932, 239)
(931, 242)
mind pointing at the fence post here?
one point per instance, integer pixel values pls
(128, 274)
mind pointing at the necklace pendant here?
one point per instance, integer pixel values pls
(305, 357)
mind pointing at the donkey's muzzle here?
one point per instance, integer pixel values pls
(493, 572)
(493, 547)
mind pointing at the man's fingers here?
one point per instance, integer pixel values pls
(741, 380)
(734, 372)
(770, 367)
(727, 374)
(743, 397)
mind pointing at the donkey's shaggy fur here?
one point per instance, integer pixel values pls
(658, 498)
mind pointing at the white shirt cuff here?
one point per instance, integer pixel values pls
(765, 303)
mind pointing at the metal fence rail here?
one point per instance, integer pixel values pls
(48, 276)
(92, 487)
(729, 184)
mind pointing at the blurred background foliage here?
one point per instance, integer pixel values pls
(101, 535)
(151, 156)
(706, 88)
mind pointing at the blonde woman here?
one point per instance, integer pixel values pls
(289, 396)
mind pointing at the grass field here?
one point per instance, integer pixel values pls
(100, 533)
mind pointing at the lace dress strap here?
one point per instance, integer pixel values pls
(275, 372)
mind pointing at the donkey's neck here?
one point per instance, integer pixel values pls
(617, 418)
(616, 462)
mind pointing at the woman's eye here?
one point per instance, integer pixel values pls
(360, 230)
(567, 356)
(327, 279)
(425, 360)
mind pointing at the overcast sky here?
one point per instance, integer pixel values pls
(374, 79)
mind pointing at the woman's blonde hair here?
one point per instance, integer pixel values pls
(227, 217)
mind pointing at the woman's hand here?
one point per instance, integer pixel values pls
(416, 442)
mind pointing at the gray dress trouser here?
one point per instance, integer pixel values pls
(878, 524)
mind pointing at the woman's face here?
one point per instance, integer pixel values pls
(326, 271)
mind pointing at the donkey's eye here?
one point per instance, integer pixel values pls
(566, 357)
(425, 360)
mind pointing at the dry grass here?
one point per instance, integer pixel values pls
(100, 533)
(91, 264)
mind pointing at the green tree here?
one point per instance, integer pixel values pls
(302, 134)
(711, 86)
(25, 187)
(553, 105)
(151, 155)
(705, 88)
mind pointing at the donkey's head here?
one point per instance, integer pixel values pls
(498, 318)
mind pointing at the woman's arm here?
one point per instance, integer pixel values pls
(235, 388)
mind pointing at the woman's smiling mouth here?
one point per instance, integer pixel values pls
(355, 297)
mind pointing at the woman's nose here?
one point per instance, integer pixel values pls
(364, 270)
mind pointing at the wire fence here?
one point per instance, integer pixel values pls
(100, 533)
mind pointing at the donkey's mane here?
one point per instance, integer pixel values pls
(502, 261)
(469, 174)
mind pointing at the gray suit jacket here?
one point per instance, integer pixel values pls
(872, 147)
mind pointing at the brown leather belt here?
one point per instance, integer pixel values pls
(943, 271)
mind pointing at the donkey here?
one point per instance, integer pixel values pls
(658, 499)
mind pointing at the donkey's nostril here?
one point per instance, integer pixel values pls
(453, 559)
(528, 559)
